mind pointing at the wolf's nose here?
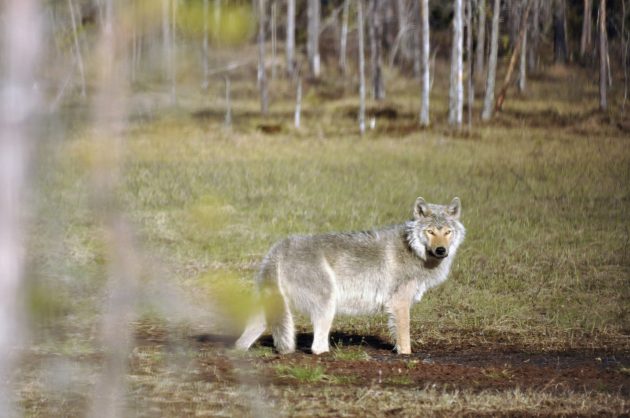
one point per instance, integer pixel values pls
(440, 251)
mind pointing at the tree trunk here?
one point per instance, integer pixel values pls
(560, 50)
(426, 68)
(173, 57)
(290, 43)
(312, 45)
(603, 54)
(20, 49)
(77, 47)
(587, 29)
(343, 42)
(492, 63)
(522, 73)
(274, 8)
(298, 102)
(456, 92)
(361, 31)
(469, 59)
(532, 50)
(262, 75)
(206, 46)
(481, 40)
(416, 42)
(513, 58)
(166, 38)
(376, 39)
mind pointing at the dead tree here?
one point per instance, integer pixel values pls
(603, 55)
(456, 92)
(312, 43)
(492, 63)
(426, 68)
(361, 37)
(262, 74)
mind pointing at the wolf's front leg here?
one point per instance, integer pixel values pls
(401, 319)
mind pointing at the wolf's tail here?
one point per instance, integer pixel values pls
(276, 313)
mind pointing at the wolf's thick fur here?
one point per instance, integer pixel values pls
(355, 273)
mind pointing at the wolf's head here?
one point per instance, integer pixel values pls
(435, 231)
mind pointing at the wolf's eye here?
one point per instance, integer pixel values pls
(430, 232)
(448, 232)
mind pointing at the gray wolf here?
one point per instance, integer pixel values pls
(355, 273)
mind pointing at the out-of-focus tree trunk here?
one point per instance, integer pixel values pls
(481, 39)
(312, 43)
(19, 102)
(469, 59)
(560, 50)
(166, 38)
(603, 55)
(522, 66)
(625, 45)
(290, 43)
(77, 47)
(173, 57)
(206, 46)
(361, 30)
(492, 63)
(376, 39)
(456, 92)
(274, 8)
(587, 29)
(532, 50)
(343, 41)
(262, 74)
(426, 68)
(298, 102)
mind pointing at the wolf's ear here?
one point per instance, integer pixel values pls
(455, 208)
(420, 209)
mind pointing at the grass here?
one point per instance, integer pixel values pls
(545, 191)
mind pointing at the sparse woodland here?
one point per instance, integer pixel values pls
(152, 150)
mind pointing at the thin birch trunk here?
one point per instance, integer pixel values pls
(361, 66)
(206, 46)
(456, 92)
(262, 76)
(343, 42)
(312, 45)
(298, 102)
(587, 29)
(290, 42)
(560, 50)
(469, 59)
(492, 63)
(522, 72)
(426, 68)
(173, 57)
(416, 40)
(77, 47)
(274, 11)
(481, 39)
(376, 37)
(513, 58)
(603, 53)
(20, 50)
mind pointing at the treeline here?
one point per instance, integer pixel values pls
(338, 38)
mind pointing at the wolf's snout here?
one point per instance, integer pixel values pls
(440, 252)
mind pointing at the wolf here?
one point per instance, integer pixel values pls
(356, 273)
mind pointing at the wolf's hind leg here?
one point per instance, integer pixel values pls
(322, 321)
(254, 329)
(281, 322)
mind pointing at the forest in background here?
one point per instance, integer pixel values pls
(152, 150)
